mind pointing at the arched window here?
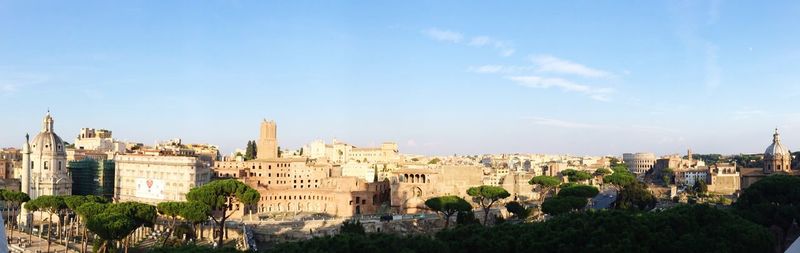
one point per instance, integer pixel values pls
(45, 165)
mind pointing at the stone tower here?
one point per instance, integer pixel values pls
(777, 157)
(267, 146)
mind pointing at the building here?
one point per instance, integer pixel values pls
(777, 160)
(157, 178)
(723, 179)
(411, 186)
(44, 161)
(92, 177)
(639, 163)
(340, 153)
(300, 185)
(98, 140)
(267, 146)
(43, 167)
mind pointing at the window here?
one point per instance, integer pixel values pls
(45, 165)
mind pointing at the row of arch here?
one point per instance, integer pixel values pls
(414, 178)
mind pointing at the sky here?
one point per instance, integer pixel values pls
(437, 77)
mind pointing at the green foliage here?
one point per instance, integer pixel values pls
(486, 196)
(217, 194)
(142, 214)
(251, 151)
(700, 187)
(47, 203)
(545, 181)
(635, 197)
(561, 205)
(191, 248)
(370, 243)
(707, 158)
(434, 161)
(352, 227)
(620, 178)
(89, 209)
(170, 208)
(567, 185)
(194, 212)
(602, 171)
(583, 191)
(575, 175)
(111, 225)
(466, 218)
(447, 206)
(772, 201)
(518, 210)
(220, 196)
(681, 229)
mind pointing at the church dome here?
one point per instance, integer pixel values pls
(47, 142)
(776, 149)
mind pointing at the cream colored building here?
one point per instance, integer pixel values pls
(156, 178)
(639, 163)
(340, 152)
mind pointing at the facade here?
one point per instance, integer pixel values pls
(298, 185)
(92, 177)
(410, 186)
(98, 140)
(639, 163)
(267, 145)
(341, 153)
(724, 179)
(777, 160)
(44, 163)
(157, 178)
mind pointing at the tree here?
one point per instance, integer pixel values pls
(74, 202)
(620, 178)
(486, 196)
(194, 213)
(220, 196)
(561, 205)
(251, 151)
(434, 161)
(51, 205)
(110, 227)
(15, 199)
(575, 175)
(518, 210)
(700, 187)
(352, 227)
(772, 202)
(583, 191)
(635, 196)
(447, 206)
(86, 211)
(666, 175)
(545, 183)
(171, 209)
(602, 172)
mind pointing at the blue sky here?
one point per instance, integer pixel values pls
(438, 77)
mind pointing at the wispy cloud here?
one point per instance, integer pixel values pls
(747, 114)
(562, 123)
(550, 64)
(505, 48)
(12, 82)
(600, 94)
(444, 35)
(500, 69)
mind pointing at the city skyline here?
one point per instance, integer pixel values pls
(712, 76)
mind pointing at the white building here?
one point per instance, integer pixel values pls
(44, 166)
(361, 170)
(153, 179)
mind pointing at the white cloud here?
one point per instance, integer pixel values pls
(12, 82)
(600, 94)
(444, 35)
(503, 47)
(500, 69)
(550, 64)
(747, 114)
(561, 123)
